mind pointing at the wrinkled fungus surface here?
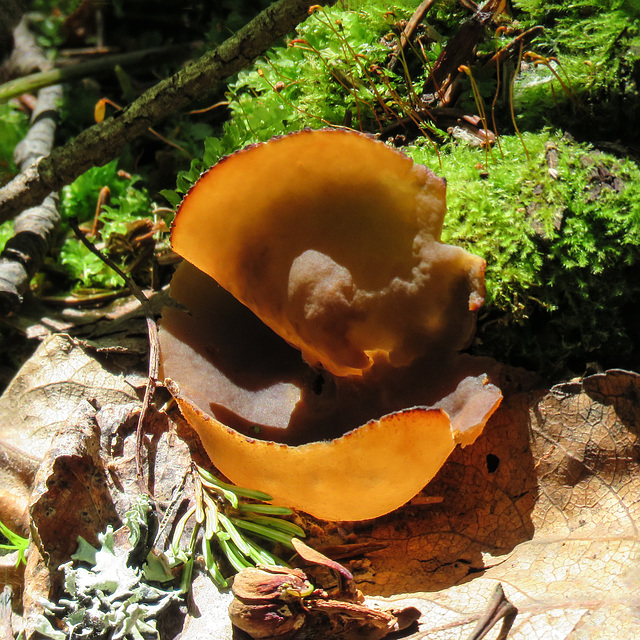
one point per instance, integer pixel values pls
(332, 239)
(324, 244)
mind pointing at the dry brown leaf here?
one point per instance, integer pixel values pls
(17, 471)
(166, 453)
(71, 497)
(556, 522)
(34, 407)
(37, 585)
(47, 390)
(545, 503)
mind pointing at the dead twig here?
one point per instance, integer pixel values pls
(102, 142)
(499, 609)
(154, 349)
(408, 31)
(45, 78)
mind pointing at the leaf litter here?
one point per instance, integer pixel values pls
(544, 503)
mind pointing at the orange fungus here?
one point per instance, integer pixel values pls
(326, 245)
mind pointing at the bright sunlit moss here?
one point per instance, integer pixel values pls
(563, 255)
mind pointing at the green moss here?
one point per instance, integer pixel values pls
(597, 44)
(563, 255)
(320, 77)
(128, 203)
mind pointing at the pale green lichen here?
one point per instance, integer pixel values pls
(107, 596)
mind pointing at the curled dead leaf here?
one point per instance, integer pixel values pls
(277, 602)
(71, 496)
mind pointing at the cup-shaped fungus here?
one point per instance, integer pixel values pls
(324, 243)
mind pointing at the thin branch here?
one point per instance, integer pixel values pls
(35, 81)
(408, 31)
(102, 142)
(154, 347)
(500, 608)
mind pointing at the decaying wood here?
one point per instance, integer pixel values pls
(460, 50)
(35, 227)
(408, 31)
(102, 142)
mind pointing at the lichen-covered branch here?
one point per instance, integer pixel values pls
(103, 141)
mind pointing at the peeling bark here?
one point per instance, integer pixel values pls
(35, 227)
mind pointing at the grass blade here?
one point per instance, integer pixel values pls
(264, 532)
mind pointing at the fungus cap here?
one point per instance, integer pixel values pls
(324, 243)
(363, 474)
(333, 239)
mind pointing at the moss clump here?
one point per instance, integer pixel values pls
(597, 44)
(128, 204)
(563, 255)
(562, 251)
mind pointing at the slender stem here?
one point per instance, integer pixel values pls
(154, 348)
(59, 75)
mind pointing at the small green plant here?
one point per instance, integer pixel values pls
(128, 204)
(14, 543)
(229, 519)
(109, 597)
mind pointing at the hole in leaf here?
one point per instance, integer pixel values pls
(493, 462)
